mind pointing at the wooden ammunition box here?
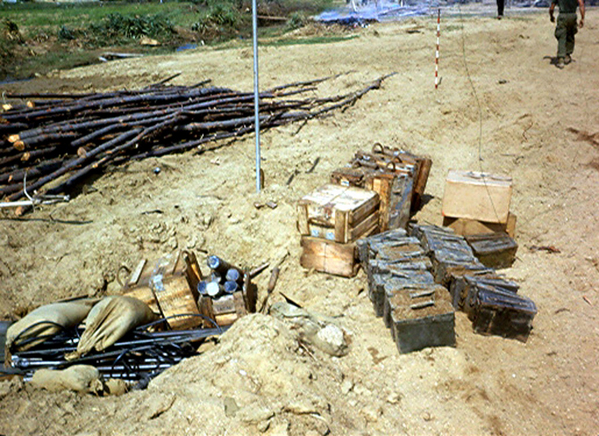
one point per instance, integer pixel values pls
(395, 192)
(329, 257)
(501, 313)
(169, 287)
(495, 250)
(224, 310)
(350, 176)
(422, 322)
(466, 227)
(477, 196)
(394, 189)
(338, 213)
(403, 160)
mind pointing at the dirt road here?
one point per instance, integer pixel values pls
(501, 106)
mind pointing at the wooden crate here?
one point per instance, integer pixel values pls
(169, 287)
(419, 165)
(394, 189)
(224, 310)
(477, 196)
(341, 214)
(467, 227)
(329, 257)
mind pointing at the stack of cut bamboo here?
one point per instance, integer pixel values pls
(56, 140)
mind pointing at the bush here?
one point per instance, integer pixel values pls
(117, 26)
(65, 34)
(218, 15)
(296, 20)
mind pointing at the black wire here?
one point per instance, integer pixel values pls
(480, 115)
(16, 342)
(181, 315)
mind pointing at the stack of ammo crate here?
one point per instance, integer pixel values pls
(490, 301)
(403, 291)
(375, 192)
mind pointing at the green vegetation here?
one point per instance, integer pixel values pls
(47, 36)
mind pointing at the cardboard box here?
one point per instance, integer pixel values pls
(338, 213)
(477, 196)
(467, 227)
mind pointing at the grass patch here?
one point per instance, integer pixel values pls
(55, 36)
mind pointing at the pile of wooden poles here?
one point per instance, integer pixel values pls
(59, 139)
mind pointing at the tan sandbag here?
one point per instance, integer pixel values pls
(114, 386)
(47, 320)
(110, 320)
(78, 378)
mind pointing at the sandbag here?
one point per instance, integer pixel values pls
(110, 320)
(78, 378)
(46, 320)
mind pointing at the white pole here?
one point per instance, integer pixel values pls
(256, 94)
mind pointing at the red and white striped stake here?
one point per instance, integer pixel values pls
(437, 52)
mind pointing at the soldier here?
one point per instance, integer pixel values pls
(566, 27)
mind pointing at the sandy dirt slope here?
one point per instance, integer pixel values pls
(501, 106)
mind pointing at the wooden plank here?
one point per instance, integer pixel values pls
(341, 226)
(363, 227)
(467, 227)
(177, 299)
(420, 181)
(302, 219)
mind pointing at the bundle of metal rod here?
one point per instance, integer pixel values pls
(141, 355)
(65, 137)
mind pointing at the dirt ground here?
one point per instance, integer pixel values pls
(501, 106)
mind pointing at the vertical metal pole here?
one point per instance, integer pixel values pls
(437, 52)
(256, 94)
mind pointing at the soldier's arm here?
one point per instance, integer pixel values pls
(581, 5)
(551, 9)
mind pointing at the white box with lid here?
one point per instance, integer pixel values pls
(477, 196)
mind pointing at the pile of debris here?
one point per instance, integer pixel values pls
(169, 308)
(61, 138)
